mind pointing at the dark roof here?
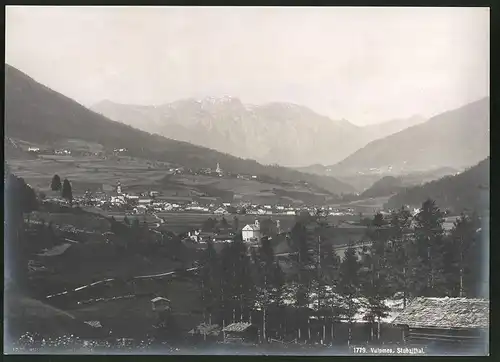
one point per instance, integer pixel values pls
(237, 327)
(445, 313)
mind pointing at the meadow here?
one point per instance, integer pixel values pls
(90, 169)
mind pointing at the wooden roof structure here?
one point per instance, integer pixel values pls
(445, 313)
(206, 329)
(237, 327)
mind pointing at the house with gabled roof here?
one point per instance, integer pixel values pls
(251, 233)
(461, 321)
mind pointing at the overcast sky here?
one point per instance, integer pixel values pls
(365, 65)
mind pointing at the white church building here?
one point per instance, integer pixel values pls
(251, 233)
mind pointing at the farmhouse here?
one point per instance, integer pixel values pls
(251, 232)
(445, 320)
(221, 211)
(160, 304)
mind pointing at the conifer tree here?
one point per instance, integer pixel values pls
(67, 193)
(349, 284)
(461, 257)
(399, 251)
(376, 272)
(55, 185)
(430, 248)
(209, 273)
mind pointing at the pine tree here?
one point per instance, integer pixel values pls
(236, 224)
(268, 227)
(430, 247)
(327, 268)
(349, 284)
(375, 274)
(56, 183)
(67, 193)
(209, 224)
(236, 283)
(224, 224)
(210, 285)
(461, 258)
(399, 251)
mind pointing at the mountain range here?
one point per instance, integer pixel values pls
(36, 113)
(274, 133)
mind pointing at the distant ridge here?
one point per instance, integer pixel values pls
(468, 190)
(458, 138)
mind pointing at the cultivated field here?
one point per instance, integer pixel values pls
(366, 206)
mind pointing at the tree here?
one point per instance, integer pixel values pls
(223, 223)
(209, 224)
(236, 283)
(327, 268)
(56, 183)
(400, 253)
(375, 274)
(349, 284)
(462, 259)
(299, 244)
(67, 193)
(430, 248)
(20, 199)
(236, 224)
(268, 227)
(209, 273)
(268, 281)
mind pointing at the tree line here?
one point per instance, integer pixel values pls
(409, 256)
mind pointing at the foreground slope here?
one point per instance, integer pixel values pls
(36, 113)
(468, 190)
(457, 139)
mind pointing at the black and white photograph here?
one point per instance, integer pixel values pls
(217, 180)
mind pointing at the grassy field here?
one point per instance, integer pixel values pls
(87, 221)
(39, 172)
(366, 206)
